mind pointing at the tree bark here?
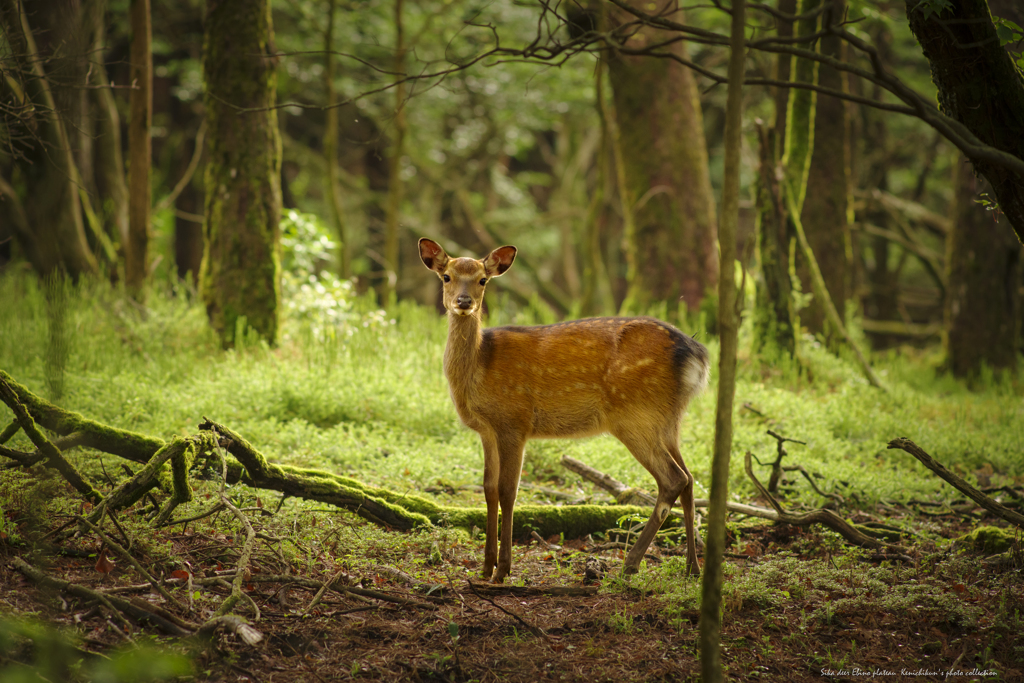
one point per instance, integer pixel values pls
(728, 325)
(331, 187)
(395, 183)
(984, 262)
(57, 239)
(979, 86)
(139, 148)
(824, 211)
(657, 108)
(240, 273)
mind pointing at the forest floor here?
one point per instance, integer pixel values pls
(371, 403)
(798, 605)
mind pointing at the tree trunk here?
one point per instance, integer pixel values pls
(824, 210)
(774, 324)
(657, 107)
(53, 211)
(395, 183)
(984, 261)
(979, 86)
(139, 149)
(331, 188)
(774, 318)
(728, 325)
(240, 274)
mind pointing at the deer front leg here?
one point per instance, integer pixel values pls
(510, 453)
(492, 468)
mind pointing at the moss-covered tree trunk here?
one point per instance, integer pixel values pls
(824, 211)
(240, 273)
(979, 86)
(657, 107)
(984, 261)
(140, 153)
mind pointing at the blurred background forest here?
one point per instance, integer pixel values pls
(484, 123)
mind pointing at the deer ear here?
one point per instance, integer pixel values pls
(499, 260)
(433, 255)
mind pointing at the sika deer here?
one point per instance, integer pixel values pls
(632, 377)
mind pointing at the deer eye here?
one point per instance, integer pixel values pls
(483, 282)
(446, 278)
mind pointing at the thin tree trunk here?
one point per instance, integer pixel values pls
(391, 265)
(139, 149)
(657, 106)
(711, 589)
(331, 189)
(984, 261)
(240, 274)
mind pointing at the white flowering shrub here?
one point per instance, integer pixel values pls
(315, 297)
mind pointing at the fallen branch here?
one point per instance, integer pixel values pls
(974, 494)
(616, 488)
(119, 606)
(247, 548)
(533, 591)
(824, 517)
(539, 632)
(54, 458)
(127, 556)
(237, 625)
(120, 442)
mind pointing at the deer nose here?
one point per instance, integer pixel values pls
(464, 301)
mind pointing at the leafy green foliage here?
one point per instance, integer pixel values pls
(31, 651)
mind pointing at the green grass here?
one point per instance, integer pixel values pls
(372, 401)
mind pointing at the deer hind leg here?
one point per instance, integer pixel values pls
(686, 500)
(510, 455)
(492, 469)
(656, 458)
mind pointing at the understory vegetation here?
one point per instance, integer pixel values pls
(364, 396)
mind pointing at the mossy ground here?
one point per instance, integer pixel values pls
(372, 404)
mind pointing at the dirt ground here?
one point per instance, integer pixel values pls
(385, 628)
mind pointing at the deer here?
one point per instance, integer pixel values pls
(632, 377)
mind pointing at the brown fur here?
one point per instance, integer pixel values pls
(631, 377)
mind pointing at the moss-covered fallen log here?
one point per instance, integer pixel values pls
(405, 511)
(400, 511)
(120, 442)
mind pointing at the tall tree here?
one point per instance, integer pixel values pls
(711, 588)
(774, 316)
(395, 183)
(240, 274)
(331, 187)
(984, 262)
(657, 107)
(824, 211)
(140, 152)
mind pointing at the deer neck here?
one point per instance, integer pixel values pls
(461, 357)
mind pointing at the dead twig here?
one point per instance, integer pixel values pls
(532, 629)
(117, 606)
(124, 554)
